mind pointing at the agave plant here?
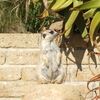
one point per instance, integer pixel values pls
(81, 16)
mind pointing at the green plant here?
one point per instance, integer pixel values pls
(34, 24)
(80, 16)
(20, 16)
(10, 21)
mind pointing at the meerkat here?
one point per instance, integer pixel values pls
(50, 69)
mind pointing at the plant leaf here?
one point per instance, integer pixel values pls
(66, 4)
(96, 97)
(56, 4)
(88, 5)
(69, 20)
(96, 78)
(89, 13)
(70, 17)
(27, 9)
(82, 27)
(68, 32)
(44, 14)
(95, 25)
(34, 0)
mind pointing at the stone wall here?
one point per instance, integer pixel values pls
(19, 57)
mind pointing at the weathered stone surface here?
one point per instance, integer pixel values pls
(79, 57)
(10, 98)
(83, 73)
(67, 73)
(10, 73)
(19, 40)
(2, 58)
(23, 57)
(81, 87)
(54, 92)
(70, 91)
(15, 89)
(57, 26)
(28, 73)
(75, 41)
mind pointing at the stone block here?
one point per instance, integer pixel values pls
(2, 58)
(10, 98)
(84, 73)
(79, 57)
(55, 92)
(75, 41)
(67, 73)
(28, 73)
(10, 73)
(81, 87)
(19, 40)
(67, 91)
(15, 89)
(56, 26)
(23, 57)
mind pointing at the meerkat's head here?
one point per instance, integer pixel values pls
(49, 34)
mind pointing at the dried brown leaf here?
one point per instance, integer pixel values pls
(96, 97)
(43, 14)
(96, 78)
(93, 90)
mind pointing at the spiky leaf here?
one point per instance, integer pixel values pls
(89, 13)
(88, 5)
(71, 17)
(95, 25)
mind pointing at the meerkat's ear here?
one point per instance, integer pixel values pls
(44, 35)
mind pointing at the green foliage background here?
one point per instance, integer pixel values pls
(13, 17)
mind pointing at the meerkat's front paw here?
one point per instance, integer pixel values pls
(60, 77)
(58, 59)
(43, 80)
(45, 59)
(43, 75)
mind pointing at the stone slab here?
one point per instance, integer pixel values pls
(19, 40)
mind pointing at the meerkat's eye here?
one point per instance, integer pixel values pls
(56, 30)
(51, 32)
(44, 35)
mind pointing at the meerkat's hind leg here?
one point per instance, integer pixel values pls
(44, 76)
(43, 80)
(58, 80)
(60, 77)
